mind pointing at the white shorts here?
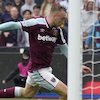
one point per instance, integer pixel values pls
(43, 78)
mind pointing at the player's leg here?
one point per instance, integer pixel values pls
(10, 92)
(31, 88)
(29, 91)
(61, 89)
(52, 83)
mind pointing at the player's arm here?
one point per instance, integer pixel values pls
(62, 43)
(10, 26)
(24, 25)
(64, 49)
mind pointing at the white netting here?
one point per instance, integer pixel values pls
(91, 58)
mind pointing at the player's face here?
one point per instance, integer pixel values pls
(59, 18)
(51, 1)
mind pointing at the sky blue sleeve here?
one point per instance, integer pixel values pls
(10, 26)
(64, 49)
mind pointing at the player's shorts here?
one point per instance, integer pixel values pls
(43, 78)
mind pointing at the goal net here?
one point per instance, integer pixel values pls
(91, 58)
(90, 51)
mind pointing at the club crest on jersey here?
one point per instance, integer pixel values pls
(53, 79)
(42, 30)
(47, 38)
(55, 31)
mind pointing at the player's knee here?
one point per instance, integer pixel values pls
(26, 94)
(63, 96)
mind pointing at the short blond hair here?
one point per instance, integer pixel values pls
(57, 7)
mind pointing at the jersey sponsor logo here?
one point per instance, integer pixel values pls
(47, 38)
(55, 31)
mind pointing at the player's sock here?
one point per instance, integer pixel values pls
(10, 92)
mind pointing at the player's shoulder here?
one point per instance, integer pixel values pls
(34, 21)
(40, 18)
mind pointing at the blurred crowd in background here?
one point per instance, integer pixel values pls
(90, 23)
(18, 10)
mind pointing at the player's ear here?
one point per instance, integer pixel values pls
(56, 15)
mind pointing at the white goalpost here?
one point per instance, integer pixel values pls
(74, 54)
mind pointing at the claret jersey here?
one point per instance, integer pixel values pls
(43, 40)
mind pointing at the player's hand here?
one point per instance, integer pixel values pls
(86, 69)
(3, 81)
